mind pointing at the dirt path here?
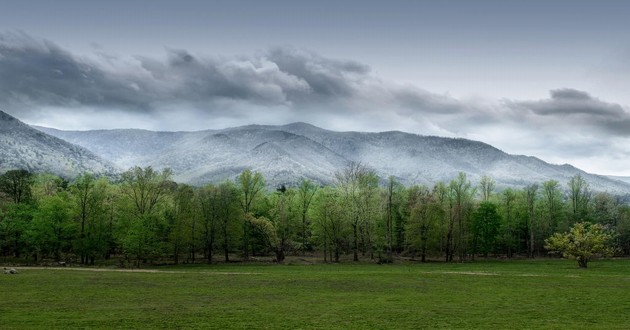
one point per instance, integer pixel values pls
(133, 270)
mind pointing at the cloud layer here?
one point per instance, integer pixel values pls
(42, 83)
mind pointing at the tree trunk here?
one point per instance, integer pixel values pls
(355, 248)
(582, 262)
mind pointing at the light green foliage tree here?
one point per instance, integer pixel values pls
(252, 187)
(305, 193)
(181, 218)
(579, 196)
(358, 186)
(531, 201)
(461, 195)
(144, 191)
(329, 223)
(284, 222)
(230, 215)
(89, 197)
(392, 196)
(508, 198)
(553, 205)
(208, 200)
(583, 242)
(423, 225)
(52, 230)
(605, 209)
(486, 187)
(486, 223)
(46, 184)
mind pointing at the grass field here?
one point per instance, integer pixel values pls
(549, 294)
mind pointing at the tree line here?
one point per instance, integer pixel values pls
(146, 217)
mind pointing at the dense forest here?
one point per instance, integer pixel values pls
(145, 217)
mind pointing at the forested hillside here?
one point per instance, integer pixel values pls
(147, 218)
(23, 147)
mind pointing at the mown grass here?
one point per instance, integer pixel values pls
(548, 294)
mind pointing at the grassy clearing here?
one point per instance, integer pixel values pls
(517, 294)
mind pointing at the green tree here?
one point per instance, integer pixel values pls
(52, 230)
(583, 242)
(306, 191)
(580, 196)
(486, 223)
(424, 221)
(508, 198)
(251, 187)
(486, 186)
(181, 220)
(461, 195)
(144, 191)
(17, 185)
(553, 205)
(229, 213)
(531, 200)
(329, 222)
(89, 196)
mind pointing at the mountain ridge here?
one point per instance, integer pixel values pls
(23, 147)
(286, 153)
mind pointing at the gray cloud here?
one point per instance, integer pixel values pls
(39, 73)
(574, 107)
(36, 71)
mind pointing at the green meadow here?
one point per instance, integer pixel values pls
(532, 294)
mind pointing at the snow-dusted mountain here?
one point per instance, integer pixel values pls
(23, 147)
(286, 153)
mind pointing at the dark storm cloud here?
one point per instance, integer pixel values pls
(280, 83)
(39, 73)
(34, 71)
(572, 106)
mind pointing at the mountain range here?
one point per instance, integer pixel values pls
(285, 154)
(23, 147)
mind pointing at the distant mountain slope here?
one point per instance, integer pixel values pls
(625, 179)
(286, 153)
(23, 147)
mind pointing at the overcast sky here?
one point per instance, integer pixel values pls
(549, 79)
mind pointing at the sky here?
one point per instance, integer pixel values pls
(548, 79)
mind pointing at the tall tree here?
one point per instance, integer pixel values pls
(306, 191)
(508, 198)
(181, 217)
(208, 199)
(356, 184)
(89, 197)
(424, 220)
(461, 193)
(329, 222)
(486, 185)
(229, 213)
(393, 192)
(52, 230)
(486, 222)
(251, 187)
(531, 198)
(579, 195)
(17, 185)
(552, 198)
(144, 189)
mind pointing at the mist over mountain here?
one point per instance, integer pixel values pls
(285, 154)
(23, 147)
